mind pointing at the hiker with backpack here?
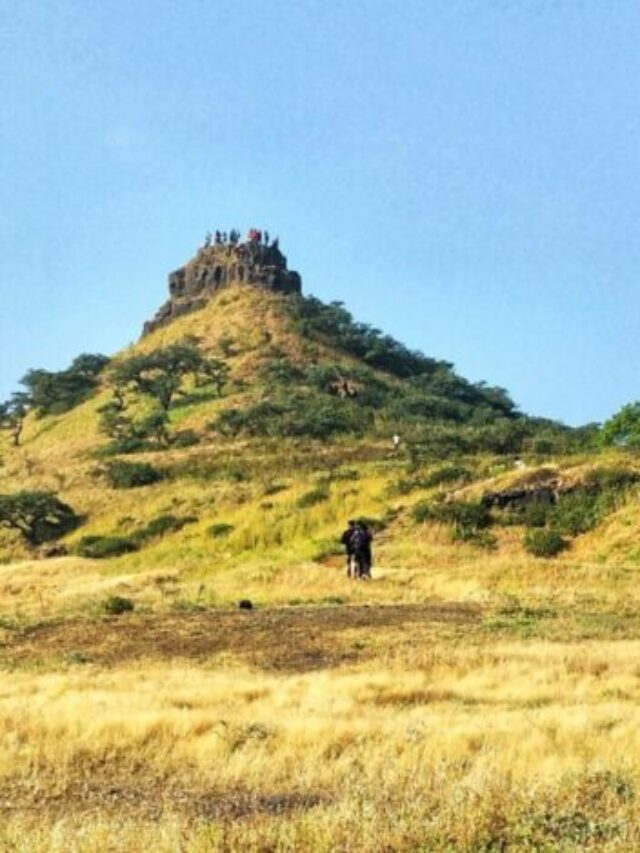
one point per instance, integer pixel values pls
(357, 540)
(345, 539)
(361, 542)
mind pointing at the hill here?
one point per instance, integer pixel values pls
(480, 693)
(278, 432)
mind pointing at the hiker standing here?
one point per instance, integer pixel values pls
(346, 540)
(362, 543)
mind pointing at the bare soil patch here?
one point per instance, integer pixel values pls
(297, 639)
(149, 799)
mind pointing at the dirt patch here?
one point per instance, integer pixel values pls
(149, 800)
(294, 639)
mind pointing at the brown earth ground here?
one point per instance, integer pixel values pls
(306, 638)
(287, 640)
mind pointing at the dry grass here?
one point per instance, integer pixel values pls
(458, 748)
(466, 699)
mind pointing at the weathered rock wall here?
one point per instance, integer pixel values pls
(218, 266)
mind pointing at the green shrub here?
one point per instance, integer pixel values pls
(165, 524)
(309, 415)
(447, 474)
(466, 515)
(116, 605)
(274, 488)
(315, 496)
(422, 512)
(124, 446)
(544, 543)
(575, 513)
(469, 520)
(535, 514)
(185, 438)
(130, 475)
(237, 473)
(616, 477)
(376, 525)
(482, 538)
(220, 529)
(103, 547)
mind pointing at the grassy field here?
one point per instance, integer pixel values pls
(461, 702)
(470, 697)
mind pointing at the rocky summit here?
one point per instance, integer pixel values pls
(220, 262)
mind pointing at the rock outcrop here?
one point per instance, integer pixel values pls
(219, 265)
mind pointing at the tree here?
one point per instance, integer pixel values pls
(213, 371)
(159, 374)
(38, 516)
(623, 429)
(56, 392)
(155, 425)
(113, 422)
(12, 415)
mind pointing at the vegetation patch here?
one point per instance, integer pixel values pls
(304, 415)
(164, 524)
(313, 497)
(469, 521)
(103, 547)
(130, 475)
(274, 488)
(52, 393)
(116, 605)
(219, 530)
(38, 516)
(544, 543)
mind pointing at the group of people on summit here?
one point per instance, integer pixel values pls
(357, 539)
(233, 237)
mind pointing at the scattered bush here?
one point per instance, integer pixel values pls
(469, 520)
(116, 605)
(310, 415)
(274, 488)
(422, 512)
(535, 514)
(315, 496)
(482, 538)
(465, 515)
(236, 472)
(575, 513)
(616, 477)
(544, 543)
(103, 547)
(447, 474)
(130, 475)
(219, 530)
(124, 447)
(185, 438)
(376, 525)
(165, 524)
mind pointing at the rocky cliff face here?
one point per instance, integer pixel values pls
(219, 265)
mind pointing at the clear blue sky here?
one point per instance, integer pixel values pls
(462, 173)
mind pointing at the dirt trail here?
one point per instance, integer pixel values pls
(292, 639)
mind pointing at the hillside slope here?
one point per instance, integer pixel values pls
(256, 482)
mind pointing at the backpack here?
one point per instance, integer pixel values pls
(358, 540)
